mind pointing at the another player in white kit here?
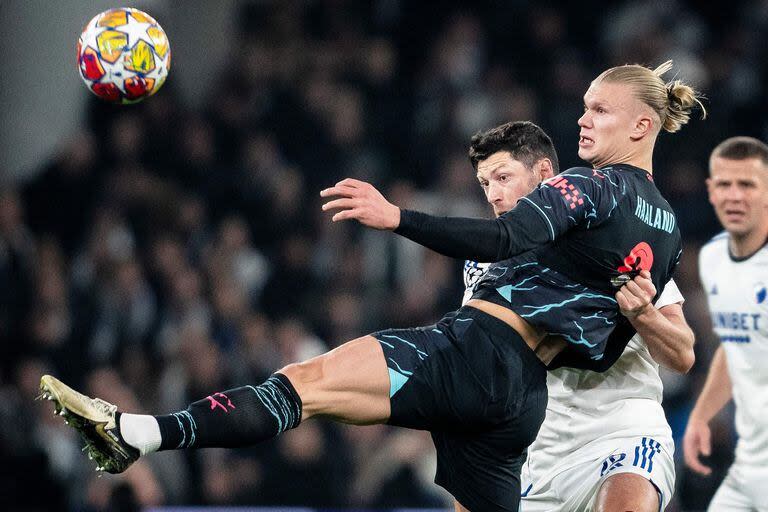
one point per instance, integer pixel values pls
(734, 272)
(605, 443)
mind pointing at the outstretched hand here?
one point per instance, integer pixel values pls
(361, 201)
(635, 297)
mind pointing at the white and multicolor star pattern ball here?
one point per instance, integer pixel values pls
(123, 55)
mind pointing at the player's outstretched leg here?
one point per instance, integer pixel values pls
(95, 420)
(348, 384)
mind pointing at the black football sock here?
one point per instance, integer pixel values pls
(234, 418)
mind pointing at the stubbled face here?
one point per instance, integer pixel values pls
(505, 180)
(738, 191)
(610, 114)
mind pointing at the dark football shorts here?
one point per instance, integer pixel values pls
(472, 382)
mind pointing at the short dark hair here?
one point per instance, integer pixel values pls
(524, 140)
(741, 148)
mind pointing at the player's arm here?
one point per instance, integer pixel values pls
(537, 220)
(666, 333)
(668, 336)
(716, 394)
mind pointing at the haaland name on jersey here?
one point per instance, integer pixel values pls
(654, 216)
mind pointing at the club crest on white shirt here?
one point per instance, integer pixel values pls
(760, 293)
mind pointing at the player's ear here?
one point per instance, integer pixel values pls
(643, 126)
(544, 169)
(710, 190)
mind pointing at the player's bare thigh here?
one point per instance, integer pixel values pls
(626, 492)
(458, 508)
(349, 384)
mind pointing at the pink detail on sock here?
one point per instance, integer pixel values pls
(215, 403)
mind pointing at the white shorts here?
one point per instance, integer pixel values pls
(571, 484)
(743, 488)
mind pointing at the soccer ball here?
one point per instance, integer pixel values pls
(123, 55)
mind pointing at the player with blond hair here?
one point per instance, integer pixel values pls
(476, 379)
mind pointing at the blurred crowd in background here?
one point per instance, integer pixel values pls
(166, 252)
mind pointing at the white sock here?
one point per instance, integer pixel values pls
(140, 431)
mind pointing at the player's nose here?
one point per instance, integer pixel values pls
(734, 194)
(494, 194)
(583, 121)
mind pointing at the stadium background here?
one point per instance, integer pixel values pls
(150, 254)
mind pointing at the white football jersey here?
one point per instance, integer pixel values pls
(738, 304)
(473, 271)
(586, 407)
